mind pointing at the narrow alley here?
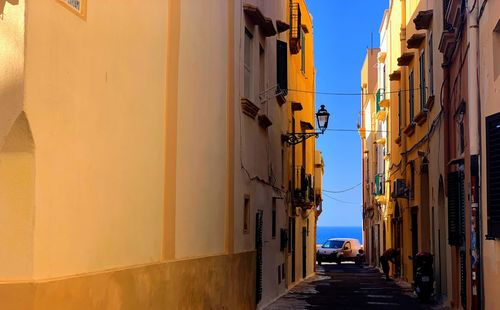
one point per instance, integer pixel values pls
(349, 286)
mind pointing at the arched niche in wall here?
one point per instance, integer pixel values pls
(17, 202)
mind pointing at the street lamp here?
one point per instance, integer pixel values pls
(322, 116)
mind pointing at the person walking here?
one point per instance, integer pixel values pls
(390, 255)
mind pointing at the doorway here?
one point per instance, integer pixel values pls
(304, 252)
(258, 249)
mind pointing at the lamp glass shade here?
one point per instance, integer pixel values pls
(323, 117)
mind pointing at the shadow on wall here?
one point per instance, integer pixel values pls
(2, 5)
(17, 201)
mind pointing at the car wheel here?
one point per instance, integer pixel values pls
(319, 263)
(339, 260)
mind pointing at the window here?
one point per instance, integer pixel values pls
(282, 167)
(248, 65)
(456, 208)
(246, 215)
(411, 95)
(422, 80)
(279, 274)
(273, 219)
(347, 246)
(496, 51)
(400, 115)
(412, 180)
(431, 66)
(303, 52)
(461, 135)
(262, 69)
(493, 174)
(282, 65)
(333, 244)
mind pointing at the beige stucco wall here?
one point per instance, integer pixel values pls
(94, 97)
(17, 184)
(11, 64)
(202, 127)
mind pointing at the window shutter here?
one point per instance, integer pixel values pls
(453, 208)
(493, 174)
(282, 65)
(258, 246)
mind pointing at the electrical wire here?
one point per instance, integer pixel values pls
(342, 191)
(354, 130)
(350, 94)
(342, 201)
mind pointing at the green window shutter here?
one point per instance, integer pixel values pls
(282, 65)
(493, 175)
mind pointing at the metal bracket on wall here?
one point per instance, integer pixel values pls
(296, 138)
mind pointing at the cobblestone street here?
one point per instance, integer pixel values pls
(349, 287)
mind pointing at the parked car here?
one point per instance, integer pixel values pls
(338, 250)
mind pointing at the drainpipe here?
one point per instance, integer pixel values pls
(474, 145)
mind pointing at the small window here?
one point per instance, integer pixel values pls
(400, 114)
(279, 274)
(431, 66)
(282, 65)
(412, 180)
(422, 81)
(411, 95)
(303, 52)
(262, 70)
(273, 224)
(246, 215)
(248, 64)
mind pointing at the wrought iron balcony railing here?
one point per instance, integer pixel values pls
(303, 193)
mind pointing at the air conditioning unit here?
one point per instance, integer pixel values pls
(400, 190)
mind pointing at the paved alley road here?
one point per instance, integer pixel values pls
(348, 287)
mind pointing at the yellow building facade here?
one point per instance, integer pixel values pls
(438, 148)
(142, 158)
(414, 204)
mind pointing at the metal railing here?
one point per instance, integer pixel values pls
(378, 98)
(303, 193)
(295, 25)
(379, 184)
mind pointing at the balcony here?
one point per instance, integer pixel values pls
(381, 104)
(379, 184)
(303, 194)
(295, 28)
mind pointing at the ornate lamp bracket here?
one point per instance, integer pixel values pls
(296, 138)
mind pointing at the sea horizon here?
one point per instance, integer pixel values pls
(324, 233)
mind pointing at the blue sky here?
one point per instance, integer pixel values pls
(342, 31)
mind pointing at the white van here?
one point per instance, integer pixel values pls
(338, 250)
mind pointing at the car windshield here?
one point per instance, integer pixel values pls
(333, 244)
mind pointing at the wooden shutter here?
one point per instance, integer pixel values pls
(453, 208)
(282, 65)
(493, 174)
(258, 248)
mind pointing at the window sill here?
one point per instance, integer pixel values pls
(430, 102)
(410, 129)
(421, 117)
(264, 121)
(249, 108)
